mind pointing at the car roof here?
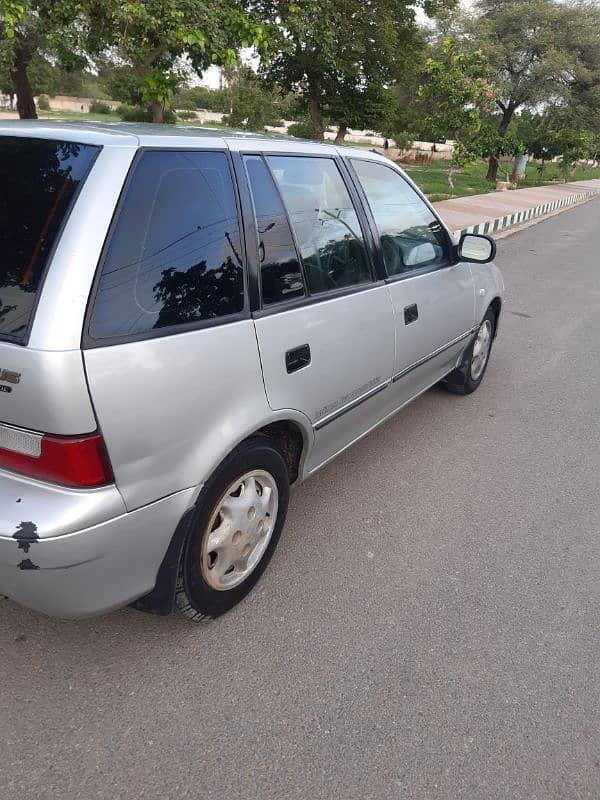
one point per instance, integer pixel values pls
(145, 134)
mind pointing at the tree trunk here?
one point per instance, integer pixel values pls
(450, 179)
(20, 81)
(541, 168)
(341, 133)
(158, 112)
(514, 175)
(316, 118)
(494, 162)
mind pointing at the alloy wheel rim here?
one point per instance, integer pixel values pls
(481, 349)
(239, 530)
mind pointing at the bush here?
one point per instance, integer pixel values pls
(200, 97)
(134, 113)
(43, 103)
(403, 140)
(140, 114)
(187, 115)
(302, 129)
(100, 108)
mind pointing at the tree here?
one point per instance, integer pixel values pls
(151, 37)
(582, 30)
(527, 48)
(18, 43)
(575, 144)
(252, 106)
(340, 55)
(556, 132)
(119, 82)
(460, 89)
(200, 97)
(31, 30)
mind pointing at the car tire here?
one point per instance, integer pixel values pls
(240, 514)
(467, 377)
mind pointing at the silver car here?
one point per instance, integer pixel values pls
(191, 322)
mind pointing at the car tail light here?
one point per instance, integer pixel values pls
(79, 461)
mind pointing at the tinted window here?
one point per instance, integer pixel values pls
(174, 256)
(281, 276)
(411, 237)
(38, 179)
(324, 221)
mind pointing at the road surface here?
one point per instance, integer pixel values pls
(428, 628)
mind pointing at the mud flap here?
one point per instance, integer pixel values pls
(161, 599)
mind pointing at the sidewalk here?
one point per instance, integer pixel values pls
(487, 213)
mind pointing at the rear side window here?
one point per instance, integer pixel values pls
(280, 273)
(38, 181)
(324, 221)
(174, 257)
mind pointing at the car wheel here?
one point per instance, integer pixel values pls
(241, 512)
(468, 376)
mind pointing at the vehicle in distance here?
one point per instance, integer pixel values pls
(190, 323)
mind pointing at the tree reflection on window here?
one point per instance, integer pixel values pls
(174, 258)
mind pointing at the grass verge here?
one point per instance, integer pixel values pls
(432, 180)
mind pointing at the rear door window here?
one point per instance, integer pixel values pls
(174, 257)
(280, 273)
(38, 182)
(324, 220)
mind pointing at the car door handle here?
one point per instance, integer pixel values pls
(411, 314)
(297, 358)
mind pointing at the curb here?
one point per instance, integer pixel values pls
(519, 217)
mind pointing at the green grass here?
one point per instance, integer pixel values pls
(431, 178)
(80, 116)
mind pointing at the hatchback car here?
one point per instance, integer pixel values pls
(191, 323)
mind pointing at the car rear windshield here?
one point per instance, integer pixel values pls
(38, 181)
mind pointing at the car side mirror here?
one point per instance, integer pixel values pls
(477, 248)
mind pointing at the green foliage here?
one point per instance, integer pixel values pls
(186, 115)
(340, 55)
(303, 129)
(149, 37)
(525, 45)
(120, 83)
(12, 13)
(403, 140)
(97, 107)
(557, 132)
(43, 103)
(253, 104)
(532, 53)
(199, 97)
(459, 87)
(42, 34)
(140, 114)
(575, 145)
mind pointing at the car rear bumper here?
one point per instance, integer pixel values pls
(93, 570)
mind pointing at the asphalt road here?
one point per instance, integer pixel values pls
(428, 628)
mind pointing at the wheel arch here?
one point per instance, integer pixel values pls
(293, 439)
